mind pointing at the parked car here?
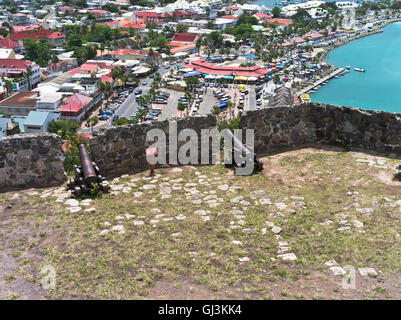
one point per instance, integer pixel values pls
(138, 91)
(103, 117)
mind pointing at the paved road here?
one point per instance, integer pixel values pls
(209, 100)
(128, 107)
(51, 15)
(170, 109)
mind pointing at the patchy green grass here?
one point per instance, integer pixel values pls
(169, 250)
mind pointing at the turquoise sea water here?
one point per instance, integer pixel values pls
(379, 88)
(278, 3)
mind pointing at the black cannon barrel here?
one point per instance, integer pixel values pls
(87, 166)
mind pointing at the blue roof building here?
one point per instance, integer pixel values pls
(38, 121)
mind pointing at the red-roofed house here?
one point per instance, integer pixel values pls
(182, 14)
(211, 68)
(6, 43)
(25, 28)
(150, 16)
(283, 22)
(100, 13)
(176, 44)
(55, 38)
(89, 68)
(16, 69)
(230, 17)
(262, 17)
(186, 38)
(75, 107)
(66, 9)
(104, 79)
(136, 26)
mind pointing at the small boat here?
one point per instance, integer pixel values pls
(359, 69)
(348, 67)
(337, 77)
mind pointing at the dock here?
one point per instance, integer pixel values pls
(320, 81)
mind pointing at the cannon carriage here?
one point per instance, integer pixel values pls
(87, 176)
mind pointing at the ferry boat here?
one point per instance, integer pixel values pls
(359, 69)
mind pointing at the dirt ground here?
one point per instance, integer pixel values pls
(204, 233)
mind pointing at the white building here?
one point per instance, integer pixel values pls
(343, 5)
(291, 9)
(222, 23)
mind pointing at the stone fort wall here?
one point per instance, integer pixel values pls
(37, 159)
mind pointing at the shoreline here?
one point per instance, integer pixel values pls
(328, 49)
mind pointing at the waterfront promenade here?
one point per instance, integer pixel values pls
(320, 81)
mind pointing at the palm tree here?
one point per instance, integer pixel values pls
(181, 107)
(9, 87)
(199, 44)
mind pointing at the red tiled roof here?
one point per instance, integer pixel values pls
(210, 68)
(183, 47)
(25, 28)
(7, 43)
(74, 71)
(262, 16)
(88, 67)
(99, 11)
(65, 8)
(133, 25)
(230, 17)
(176, 44)
(185, 37)
(280, 21)
(14, 64)
(105, 79)
(147, 14)
(75, 103)
(42, 33)
(124, 51)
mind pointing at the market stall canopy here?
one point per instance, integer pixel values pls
(186, 70)
(192, 74)
(251, 56)
(241, 78)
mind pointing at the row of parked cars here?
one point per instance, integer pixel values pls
(162, 98)
(153, 114)
(221, 95)
(115, 104)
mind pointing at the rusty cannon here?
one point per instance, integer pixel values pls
(87, 176)
(243, 150)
